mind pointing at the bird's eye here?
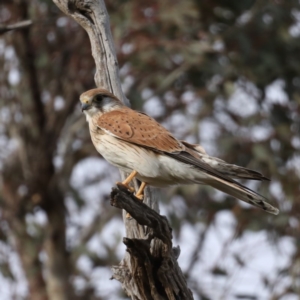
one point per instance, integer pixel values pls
(98, 98)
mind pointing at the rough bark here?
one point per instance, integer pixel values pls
(153, 271)
(149, 269)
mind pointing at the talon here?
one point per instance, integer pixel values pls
(128, 187)
(128, 216)
(131, 188)
(140, 197)
(128, 180)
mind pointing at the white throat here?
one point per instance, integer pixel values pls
(91, 113)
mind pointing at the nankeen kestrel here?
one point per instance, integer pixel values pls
(137, 144)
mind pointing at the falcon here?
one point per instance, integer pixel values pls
(138, 145)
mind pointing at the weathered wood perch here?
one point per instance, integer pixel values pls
(154, 273)
(149, 269)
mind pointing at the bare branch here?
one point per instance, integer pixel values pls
(144, 215)
(93, 17)
(19, 25)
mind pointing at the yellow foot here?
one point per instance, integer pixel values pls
(128, 187)
(139, 195)
(128, 180)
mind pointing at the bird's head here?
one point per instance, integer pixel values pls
(98, 101)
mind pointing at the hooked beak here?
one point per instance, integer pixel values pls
(85, 106)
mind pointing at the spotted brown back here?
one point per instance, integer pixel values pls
(139, 129)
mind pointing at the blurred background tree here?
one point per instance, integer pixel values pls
(221, 73)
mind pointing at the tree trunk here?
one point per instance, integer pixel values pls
(149, 269)
(31, 166)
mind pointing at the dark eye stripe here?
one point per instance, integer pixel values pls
(98, 98)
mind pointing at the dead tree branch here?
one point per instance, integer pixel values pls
(19, 25)
(153, 274)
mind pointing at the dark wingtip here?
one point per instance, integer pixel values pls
(265, 178)
(269, 208)
(273, 211)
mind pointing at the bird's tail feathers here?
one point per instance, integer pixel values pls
(243, 193)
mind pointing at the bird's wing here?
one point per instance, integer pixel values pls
(140, 129)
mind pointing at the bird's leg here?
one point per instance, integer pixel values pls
(140, 193)
(128, 180)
